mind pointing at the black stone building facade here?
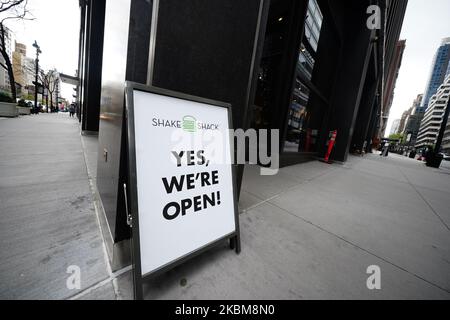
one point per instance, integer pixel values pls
(304, 67)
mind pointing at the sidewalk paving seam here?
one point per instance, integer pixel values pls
(89, 289)
(351, 167)
(41, 183)
(44, 201)
(424, 200)
(393, 179)
(105, 252)
(375, 175)
(359, 247)
(432, 189)
(101, 283)
(244, 211)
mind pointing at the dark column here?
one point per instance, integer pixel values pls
(364, 118)
(349, 84)
(93, 65)
(208, 51)
(81, 58)
(373, 124)
(327, 69)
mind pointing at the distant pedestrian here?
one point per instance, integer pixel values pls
(428, 153)
(363, 152)
(385, 150)
(72, 110)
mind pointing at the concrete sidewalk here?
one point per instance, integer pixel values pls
(312, 231)
(308, 233)
(47, 217)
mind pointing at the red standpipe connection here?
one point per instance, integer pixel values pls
(330, 145)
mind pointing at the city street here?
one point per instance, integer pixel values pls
(309, 232)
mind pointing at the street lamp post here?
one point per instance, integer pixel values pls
(36, 83)
(57, 92)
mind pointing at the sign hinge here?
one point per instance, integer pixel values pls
(129, 217)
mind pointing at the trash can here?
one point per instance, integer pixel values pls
(434, 159)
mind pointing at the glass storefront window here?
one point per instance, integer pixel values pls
(300, 126)
(305, 62)
(313, 24)
(299, 136)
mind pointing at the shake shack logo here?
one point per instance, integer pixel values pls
(188, 124)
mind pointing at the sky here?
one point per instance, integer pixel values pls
(56, 28)
(426, 23)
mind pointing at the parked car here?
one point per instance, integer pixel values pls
(446, 156)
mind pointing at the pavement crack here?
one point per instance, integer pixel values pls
(306, 181)
(424, 199)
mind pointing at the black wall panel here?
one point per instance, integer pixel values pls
(206, 49)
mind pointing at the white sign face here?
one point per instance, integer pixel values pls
(184, 177)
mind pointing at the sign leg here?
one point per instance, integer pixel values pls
(232, 243)
(235, 244)
(238, 244)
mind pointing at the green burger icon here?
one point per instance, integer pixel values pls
(189, 124)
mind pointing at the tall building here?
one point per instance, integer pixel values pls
(30, 70)
(412, 127)
(18, 57)
(402, 124)
(4, 78)
(432, 120)
(446, 139)
(23, 68)
(21, 48)
(413, 119)
(417, 103)
(439, 69)
(395, 126)
(392, 75)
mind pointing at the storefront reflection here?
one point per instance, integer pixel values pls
(300, 138)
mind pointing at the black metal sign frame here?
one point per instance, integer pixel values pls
(132, 202)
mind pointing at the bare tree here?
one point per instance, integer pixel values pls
(10, 10)
(7, 5)
(49, 81)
